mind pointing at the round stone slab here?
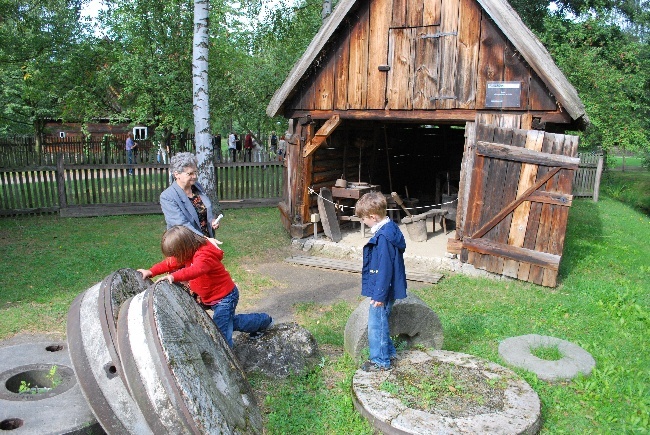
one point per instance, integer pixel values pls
(508, 404)
(114, 290)
(516, 351)
(411, 319)
(187, 376)
(61, 410)
(95, 367)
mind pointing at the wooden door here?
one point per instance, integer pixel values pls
(518, 202)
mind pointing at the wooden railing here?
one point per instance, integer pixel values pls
(97, 190)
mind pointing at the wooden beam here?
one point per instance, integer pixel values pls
(553, 198)
(524, 155)
(490, 247)
(510, 207)
(431, 116)
(321, 135)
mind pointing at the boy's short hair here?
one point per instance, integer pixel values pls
(371, 203)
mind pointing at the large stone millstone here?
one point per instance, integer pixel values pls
(60, 410)
(115, 289)
(179, 368)
(485, 398)
(411, 320)
(95, 364)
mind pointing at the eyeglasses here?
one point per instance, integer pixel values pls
(190, 174)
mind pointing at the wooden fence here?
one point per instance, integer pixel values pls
(586, 180)
(100, 190)
(111, 150)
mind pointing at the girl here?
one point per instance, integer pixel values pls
(197, 259)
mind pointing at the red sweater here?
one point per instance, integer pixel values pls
(207, 276)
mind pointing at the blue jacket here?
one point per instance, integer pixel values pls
(178, 208)
(383, 276)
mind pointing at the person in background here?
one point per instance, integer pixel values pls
(232, 146)
(161, 154)
(383, 277)
(192, 257)
(131, 148)
(216, 148)
(238, 145)
(185, 202)
(282, 148)
(248, 146)
(274, 142)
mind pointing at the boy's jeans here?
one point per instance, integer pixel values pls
(379, 341)
(227, 321)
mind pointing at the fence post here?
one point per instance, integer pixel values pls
(60, 181)
(599, 172)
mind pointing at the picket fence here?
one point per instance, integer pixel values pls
(110, 189)
(586, 180)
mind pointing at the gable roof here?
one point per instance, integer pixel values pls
(500, 11)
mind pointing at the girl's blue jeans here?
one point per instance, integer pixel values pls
(379, 341)
(227, 321)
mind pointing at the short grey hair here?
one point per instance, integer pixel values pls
(182, 160)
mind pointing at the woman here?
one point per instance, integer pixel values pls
(185, 202)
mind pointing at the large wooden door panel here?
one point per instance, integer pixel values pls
(520, 194)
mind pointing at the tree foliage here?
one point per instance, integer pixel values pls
(44, 62)
(52, 66)
(611, 71)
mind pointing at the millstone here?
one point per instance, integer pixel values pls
(517, 351)
(115, 289)
(482, 397)
(181, 371)
(411, 319)
(61, 410)
(96, 367)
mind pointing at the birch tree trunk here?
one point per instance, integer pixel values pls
(201, 107)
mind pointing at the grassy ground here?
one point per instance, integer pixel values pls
(630, 187)
(631, 162)
(602, 304)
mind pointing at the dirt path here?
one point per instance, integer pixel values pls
(300, 284)
(296, 284)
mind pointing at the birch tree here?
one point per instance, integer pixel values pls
(201, 107)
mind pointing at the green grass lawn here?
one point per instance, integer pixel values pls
(602, 303)
(632, 162)
(632, 188)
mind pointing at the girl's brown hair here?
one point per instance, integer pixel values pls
(181, 243)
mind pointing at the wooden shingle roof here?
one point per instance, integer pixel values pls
(505, 18)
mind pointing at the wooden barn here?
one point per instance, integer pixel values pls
(453, 102)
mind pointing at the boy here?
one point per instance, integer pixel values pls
(383, 277)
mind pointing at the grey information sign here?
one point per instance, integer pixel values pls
(503, 94)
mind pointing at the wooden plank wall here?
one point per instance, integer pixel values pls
(441, 54)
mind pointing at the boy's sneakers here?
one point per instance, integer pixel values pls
(370, 366)
(261, 332)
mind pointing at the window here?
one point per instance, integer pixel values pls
(139, 133)
(62, 134)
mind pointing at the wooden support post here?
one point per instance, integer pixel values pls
(60, 181)
(321, 135)
(599, 172)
